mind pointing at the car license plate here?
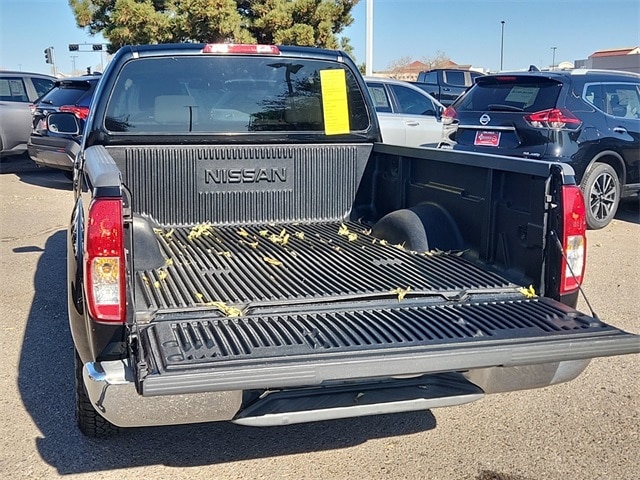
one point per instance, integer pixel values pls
(488, 139)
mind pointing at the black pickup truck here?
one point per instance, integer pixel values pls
(446, 84)
(243, 248)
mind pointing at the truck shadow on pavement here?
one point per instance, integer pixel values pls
(28, 172)
(46, 385)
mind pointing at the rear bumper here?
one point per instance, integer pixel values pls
(50, 155)
(113, 394)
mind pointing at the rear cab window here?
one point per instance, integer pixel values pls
(511, 93)
(235, 94)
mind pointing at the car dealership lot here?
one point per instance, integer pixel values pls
(588, 428)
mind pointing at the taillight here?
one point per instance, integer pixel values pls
(240, 48)
(81, 112)
(104, 272)
(574, 240)
(555, 118)
(449, 115)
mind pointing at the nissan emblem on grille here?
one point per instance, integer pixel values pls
(485, 119)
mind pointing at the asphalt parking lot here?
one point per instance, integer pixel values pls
(585, 429)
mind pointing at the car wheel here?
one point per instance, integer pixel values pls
(90, 422)
(601, 189)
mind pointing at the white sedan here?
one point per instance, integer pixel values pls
(408, 116)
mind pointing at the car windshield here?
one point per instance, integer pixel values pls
(214, 94)
(511, 94)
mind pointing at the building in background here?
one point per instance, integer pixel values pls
(625, 59)
(409, 72)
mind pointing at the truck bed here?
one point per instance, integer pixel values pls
(240, 307)
(285, 264)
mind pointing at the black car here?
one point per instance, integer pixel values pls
(446, 84)
(587, 118)
(68, 95)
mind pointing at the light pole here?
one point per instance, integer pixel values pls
(553, 59)
(73, 63)
(501, 44)
(369, 39)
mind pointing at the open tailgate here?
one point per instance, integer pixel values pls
(326, 306)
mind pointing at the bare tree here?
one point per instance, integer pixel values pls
(439, 60)
(399, 63)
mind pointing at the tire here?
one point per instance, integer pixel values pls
(90, 422)
(601, 190)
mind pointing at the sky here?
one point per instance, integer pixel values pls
(469, 32)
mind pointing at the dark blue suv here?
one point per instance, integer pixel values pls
(73, 95)
(587, 118)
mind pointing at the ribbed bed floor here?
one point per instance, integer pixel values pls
(270, 264)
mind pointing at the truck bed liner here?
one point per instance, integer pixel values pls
(275, 264)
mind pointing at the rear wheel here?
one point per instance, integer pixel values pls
(90, 422)
(601, 188)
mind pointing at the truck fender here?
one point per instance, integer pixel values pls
(421, 228)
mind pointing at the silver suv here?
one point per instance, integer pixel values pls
(18, 91)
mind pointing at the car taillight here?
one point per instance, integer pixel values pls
(574, 240)
(555, 118)
(104, 272)
(240, 48)
(81, 112)
(449, 115)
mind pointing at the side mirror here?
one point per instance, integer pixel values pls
(63, 122)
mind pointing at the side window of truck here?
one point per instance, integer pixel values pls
(429, 77)
(455, 78)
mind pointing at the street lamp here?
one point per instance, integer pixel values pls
(502, 44)
(369, 39)
(553, 61)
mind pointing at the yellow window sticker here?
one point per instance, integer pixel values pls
(334, 101)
